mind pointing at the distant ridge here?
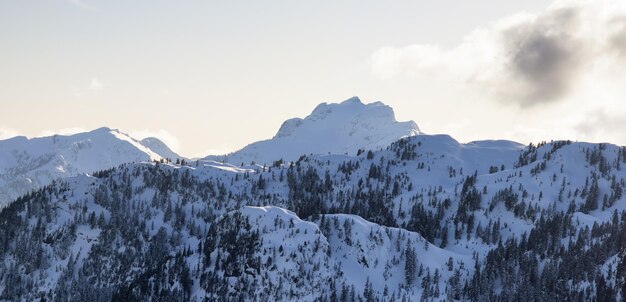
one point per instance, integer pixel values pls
(27, 164)
(335, 128)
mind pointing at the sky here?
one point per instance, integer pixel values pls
(209, 77)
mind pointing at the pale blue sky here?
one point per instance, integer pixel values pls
(211, 76)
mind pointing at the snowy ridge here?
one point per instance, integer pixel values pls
(330, 128)
(425, 218)
(27, 164)
(157, 146)
(356, 253)
(365, 253)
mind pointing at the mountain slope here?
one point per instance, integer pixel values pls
(426, 218)
(159, 147)
(27, 164)
(330, 128)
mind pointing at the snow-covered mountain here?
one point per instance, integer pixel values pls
(27, 164)
(426, 218)
(331, 128)
(159, 147)
(421, 218)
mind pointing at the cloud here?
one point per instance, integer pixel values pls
(6, 133)
(600, 124)
(222, 149)
(544, 56)
(617, 36)
(169, 139)
(62, 131)
(10, 132)
(94, 87)
(526, 59)
(95, 84)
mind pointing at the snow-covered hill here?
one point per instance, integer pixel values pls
(27, 164)
(426, 218)
(387, 215)
(331, 128)
(159, 147)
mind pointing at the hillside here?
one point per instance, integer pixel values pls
(27, 164)
(425, 218)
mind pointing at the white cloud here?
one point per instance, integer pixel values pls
(93, 88)
(526, 59)
(62, 131)
(8, 133)
(221, 149)
(95, 84)
(601, 125)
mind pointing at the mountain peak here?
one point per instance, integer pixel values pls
(103, 130)
(335, 116)
(159, 147)
(353, 103)
(353, 100)
(29, 163)
(336, 128)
